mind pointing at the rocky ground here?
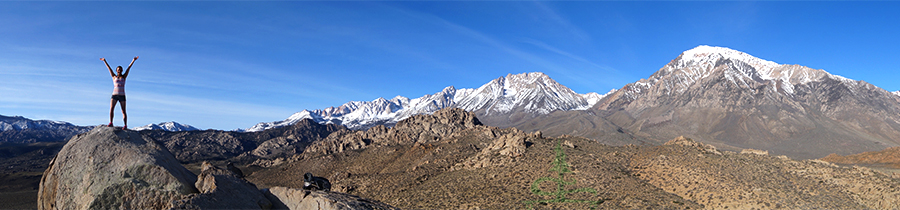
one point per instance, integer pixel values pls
(481, 167)
(887, 160)
(21, 166)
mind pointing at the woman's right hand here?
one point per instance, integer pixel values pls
(103, 59)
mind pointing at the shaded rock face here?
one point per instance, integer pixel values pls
(112, 168)
(290, 198)
(223, 189)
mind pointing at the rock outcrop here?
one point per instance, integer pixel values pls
(503, 150)
(223, 189)
(443, 123)
(290, 198)
(113, 168)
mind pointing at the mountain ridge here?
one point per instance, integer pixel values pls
(170, 126)
(19, 129)
(533, 93)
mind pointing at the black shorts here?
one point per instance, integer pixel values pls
(118, 97)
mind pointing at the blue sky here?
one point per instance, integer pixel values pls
(228, 65)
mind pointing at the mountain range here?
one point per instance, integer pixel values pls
(167, 126)
(715, 95)
(18, 129)
(501, 102)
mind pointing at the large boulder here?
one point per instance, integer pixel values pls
(290, 198)
(223, 189)
(111, 168)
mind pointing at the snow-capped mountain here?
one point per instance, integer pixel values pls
(731, 98)
(167, 126)
(21, 123)
(527, 93)
(896, 93)
(738, 68)
(23, 130)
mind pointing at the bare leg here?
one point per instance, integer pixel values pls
(124, 116)
(112, 106)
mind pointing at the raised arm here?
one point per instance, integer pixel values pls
(129, 67)
(111, 73)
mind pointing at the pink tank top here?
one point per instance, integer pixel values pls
(119, 88)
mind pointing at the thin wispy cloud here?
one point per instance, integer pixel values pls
(551, 14)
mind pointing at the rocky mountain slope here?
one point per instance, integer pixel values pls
(167, 126)
(502, 101)
(450, 161)
(23, 130)
(733, 100)
(887, 158)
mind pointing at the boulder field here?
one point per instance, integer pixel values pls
(110, 168)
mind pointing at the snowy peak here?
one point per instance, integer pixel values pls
(701, 62)
(167, 126)
(896, 93)
(532, 93)
(708, 55)
(713, 72)
(739, 68)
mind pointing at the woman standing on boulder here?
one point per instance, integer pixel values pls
(118, 90)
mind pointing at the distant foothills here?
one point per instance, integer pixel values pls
(714, 95)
